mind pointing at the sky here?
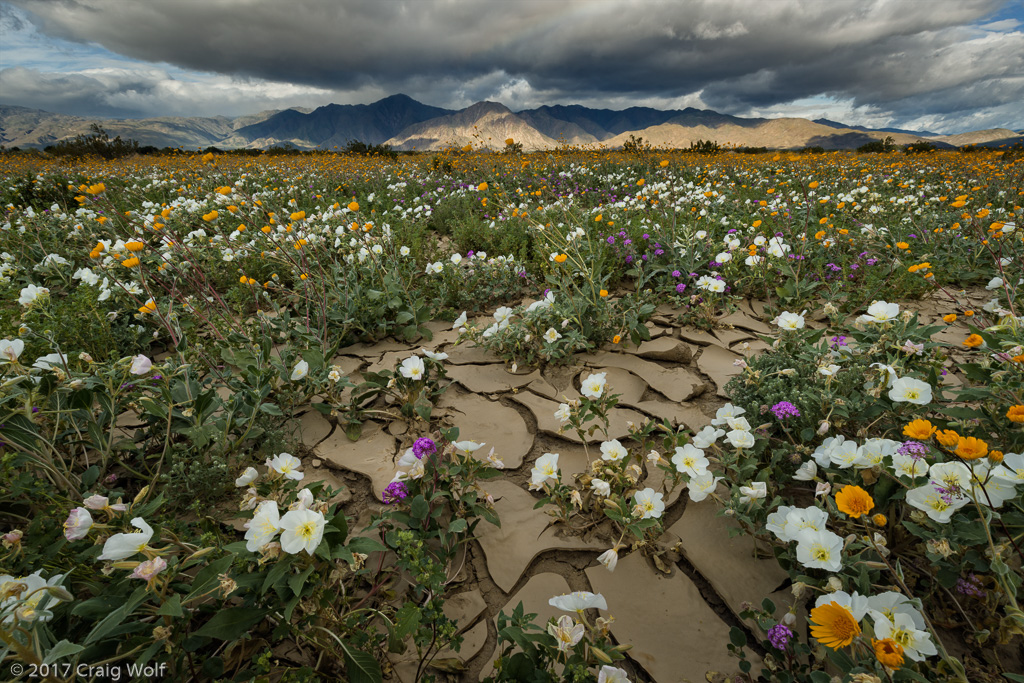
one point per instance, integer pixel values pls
(946, 66)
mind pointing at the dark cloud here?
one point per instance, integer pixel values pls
(907, 58)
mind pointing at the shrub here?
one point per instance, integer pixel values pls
(96, 143)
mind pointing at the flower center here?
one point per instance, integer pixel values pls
(902, 637)
(842, 628)
(305, 530)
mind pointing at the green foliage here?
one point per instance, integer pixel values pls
(96, 143)
(636, 145)
(705, 147)
(888, 144)
(363, 149)
(920, 147)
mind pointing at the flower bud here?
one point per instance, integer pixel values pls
(141, 495)
(824, 427)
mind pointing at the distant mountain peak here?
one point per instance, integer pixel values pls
(405, 123)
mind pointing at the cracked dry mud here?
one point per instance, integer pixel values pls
(677, 617)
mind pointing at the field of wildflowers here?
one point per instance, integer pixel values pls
(826, 349)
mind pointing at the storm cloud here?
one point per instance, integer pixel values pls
(951, 64)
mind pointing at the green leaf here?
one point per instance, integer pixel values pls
(360, 666)
(171, 606)
(270, 409)
(457, 526)
(424, 409)
(207, 576)
(339, 522)
(364, 545)
(737, 637)
(419, 508)
(407, 620)
(230, 624)
(297, 581)
(275, 574)
(353, 430)
(107, 625)
(62, 649)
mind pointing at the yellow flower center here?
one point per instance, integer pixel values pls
(305, 530)
(901, 636)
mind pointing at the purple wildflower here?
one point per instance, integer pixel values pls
(779, 636)
(915, 449)
(394, 492)
(784, 409)
(424, 446)
(680, 288)
(970, 586)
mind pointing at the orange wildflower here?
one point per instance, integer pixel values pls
(833, 625)
(1015, 413)
(973, 341)
(888, 652)
(947, 437)
(854, 501)
(919, 429)
(970, 448)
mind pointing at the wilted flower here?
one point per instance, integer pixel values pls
(149, 569)
(77, 525)
(566, 632)
(141, 365)
(609, 558)
(11, 350)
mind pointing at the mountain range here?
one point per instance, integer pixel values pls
(405, 124)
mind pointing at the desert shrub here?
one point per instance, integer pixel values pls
(96, 143)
